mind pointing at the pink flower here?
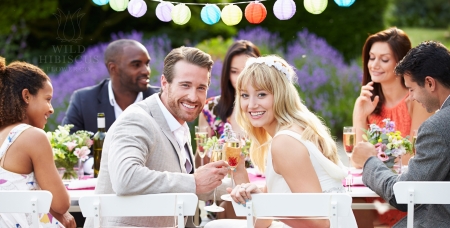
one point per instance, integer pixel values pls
(71, 145)
(382, 156)
(82, 153)
(89, 142)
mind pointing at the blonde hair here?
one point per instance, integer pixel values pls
(288, 108)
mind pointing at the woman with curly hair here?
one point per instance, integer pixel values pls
(26, 157)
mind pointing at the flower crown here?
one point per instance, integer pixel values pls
(271, 62)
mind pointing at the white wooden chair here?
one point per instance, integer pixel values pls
(164, 204)
(32, 202)
(331, 205)
(421, 192)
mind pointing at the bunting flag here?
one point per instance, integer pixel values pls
(231, 14)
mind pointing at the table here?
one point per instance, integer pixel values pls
(357, 191)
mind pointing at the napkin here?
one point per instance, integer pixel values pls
(82, 184)
(356, 176)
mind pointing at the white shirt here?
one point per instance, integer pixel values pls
(181, 133)
(112, 100)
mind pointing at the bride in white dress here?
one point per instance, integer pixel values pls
(290, 143)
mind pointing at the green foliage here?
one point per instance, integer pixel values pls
(216, 47)
(413, 13)
(417, 35)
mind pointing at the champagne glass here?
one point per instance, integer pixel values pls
(232, 150)
(216, 155)
(201, 134)
(349, 141)
(414, 141)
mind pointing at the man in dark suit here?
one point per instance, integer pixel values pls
(127, 62)
(426, 70)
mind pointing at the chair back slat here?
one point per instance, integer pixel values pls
(421, 192)
(32, 202)
(165, 204)
(331, 205)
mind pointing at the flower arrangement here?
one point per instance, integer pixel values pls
(69, 149)
(388, 142)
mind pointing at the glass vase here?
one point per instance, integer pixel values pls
(398, 166)
(70, 173)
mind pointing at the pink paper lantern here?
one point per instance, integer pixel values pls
(137, 8)
(164, 11)
(284, 9)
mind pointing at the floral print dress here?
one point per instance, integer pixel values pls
(15, 181)
(214, 121)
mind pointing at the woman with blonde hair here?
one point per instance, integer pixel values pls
(287, 140)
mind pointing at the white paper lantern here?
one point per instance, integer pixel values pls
(164, 11)
(284, 9)
(137, 8)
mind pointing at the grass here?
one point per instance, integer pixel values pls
(417, 35)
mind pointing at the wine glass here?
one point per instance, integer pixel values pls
(232, 150)
(349, 141)
(201, 134)
(414, 141)
(216, 155)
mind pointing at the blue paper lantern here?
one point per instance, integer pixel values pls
(137, 8)
(101, 2)
(344, 3)
(210, 14)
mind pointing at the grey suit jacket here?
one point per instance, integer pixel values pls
(141, 156)
(431, 163)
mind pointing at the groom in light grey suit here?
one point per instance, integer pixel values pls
(148, 150)
(426, 70)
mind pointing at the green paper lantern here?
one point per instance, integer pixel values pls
(315, 6)
(181, 14)
(118, 5)
(231, 15)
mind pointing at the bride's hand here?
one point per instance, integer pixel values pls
(242, 192)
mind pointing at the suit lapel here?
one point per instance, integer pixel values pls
(157, 114)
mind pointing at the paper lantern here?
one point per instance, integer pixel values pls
(231, 15)
(284, 9)
(344, 3)
(100, 2)
(181, 14)
(255, 12)
(315, 6)
(118, 5)
(137, 8)
(164, 11)
(210, 14)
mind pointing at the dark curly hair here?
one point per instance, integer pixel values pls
(14, 78)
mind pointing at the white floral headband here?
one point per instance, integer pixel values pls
(271, 62)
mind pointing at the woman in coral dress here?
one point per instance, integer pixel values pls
(384, 95)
